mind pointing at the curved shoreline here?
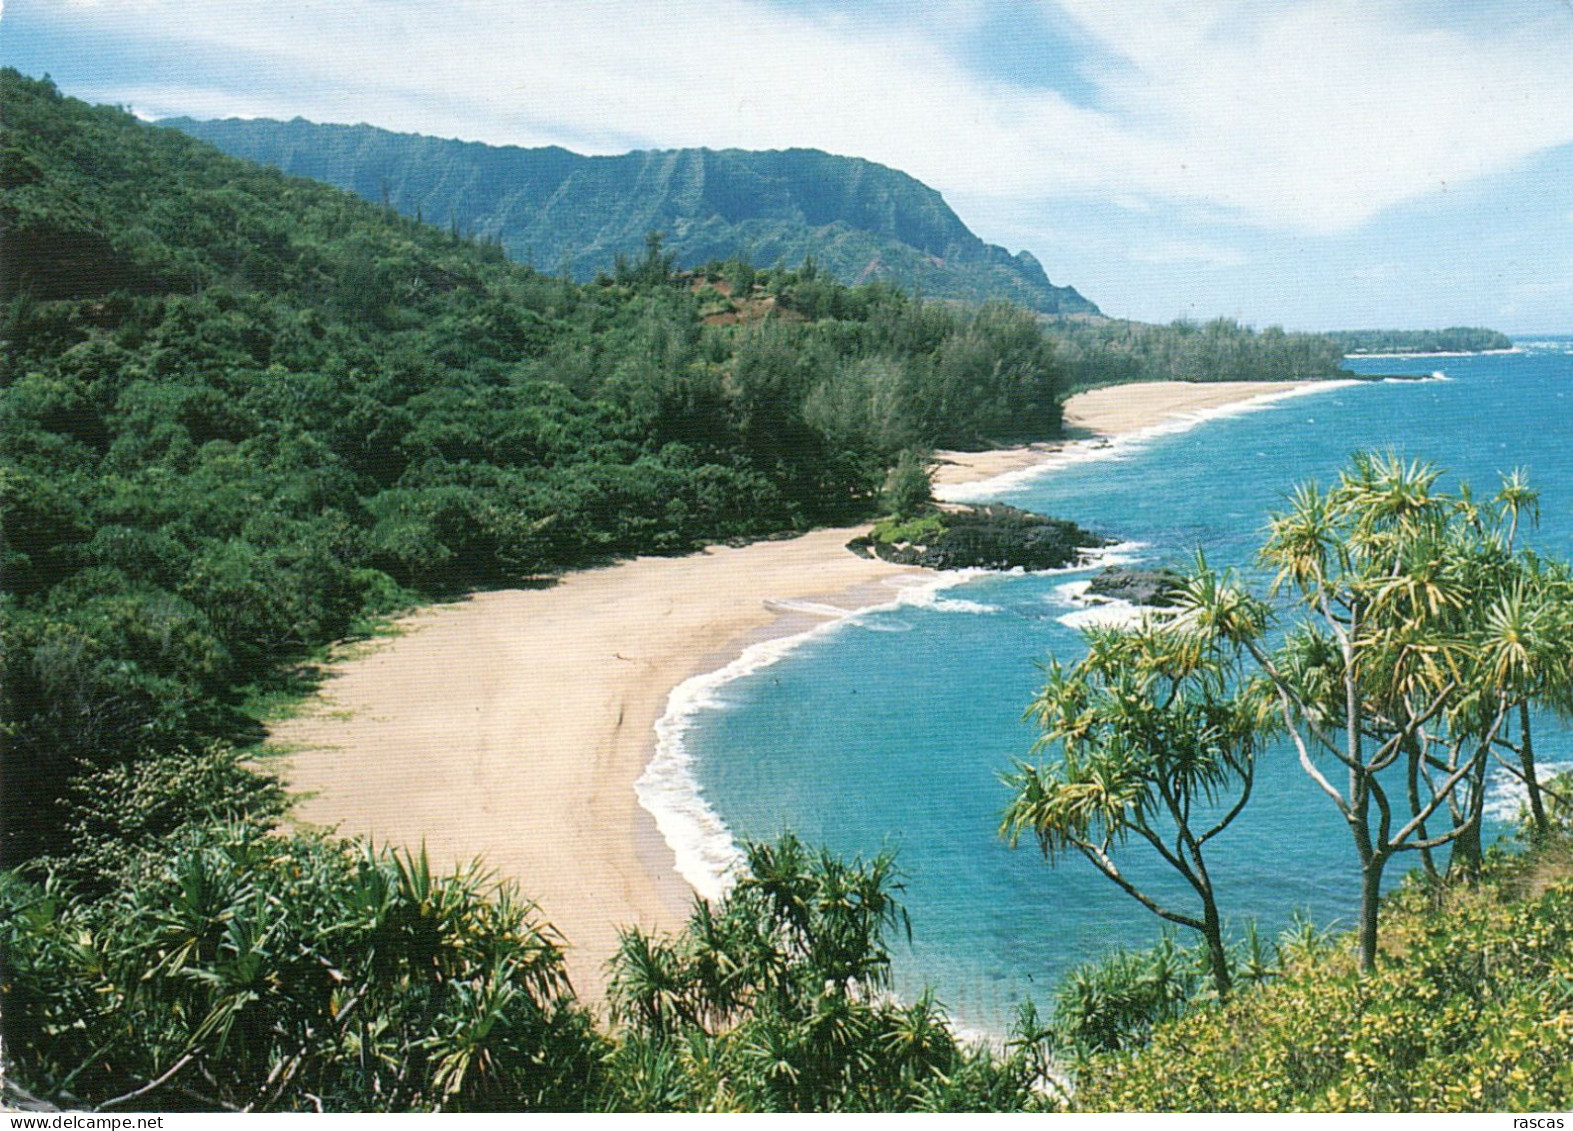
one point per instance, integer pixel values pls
(706, 855)
(514, 725)
(1111, 421)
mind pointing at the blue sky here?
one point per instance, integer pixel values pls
(1321, 164)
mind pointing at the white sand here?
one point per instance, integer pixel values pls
(512, 726)
(1110, 411)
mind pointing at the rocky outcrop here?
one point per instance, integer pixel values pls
(1153, 588)
(989, 537)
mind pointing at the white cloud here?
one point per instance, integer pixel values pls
(1319, 115)
(1309, 117)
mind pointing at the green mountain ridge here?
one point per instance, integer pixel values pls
(559, 210)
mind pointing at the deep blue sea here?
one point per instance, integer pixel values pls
(890, 729)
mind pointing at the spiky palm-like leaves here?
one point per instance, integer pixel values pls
(240, 969)
(777, 999)
(1153, 737)
(1418, 633)
(1421, 631)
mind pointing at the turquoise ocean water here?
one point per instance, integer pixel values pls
(890, 728)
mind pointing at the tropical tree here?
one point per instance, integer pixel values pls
(1155, 735)
(777, 999)
(1414, 636)
(237, 969)
(1529, 643)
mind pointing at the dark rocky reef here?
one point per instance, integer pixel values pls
(988, 537)
(1153, 588)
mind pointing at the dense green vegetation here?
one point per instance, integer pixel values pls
(1096, 351)
(1471, 1011)
(231, 967)
(243, 412)
(563, 212)
(1454, 339)
(776, 1001)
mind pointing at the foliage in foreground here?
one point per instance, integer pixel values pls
(1115, 1002)
(243, 413)
(233, 968)
(1471, 1009)
(778, 1001)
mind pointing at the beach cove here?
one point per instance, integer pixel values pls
(512, 726)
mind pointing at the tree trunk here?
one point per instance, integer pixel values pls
(1218, 956)
(1370, 908)
(1540, 825)
(1412, 747)
(1468, 855)
(1465, 858)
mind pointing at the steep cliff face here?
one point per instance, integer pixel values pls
(556, 209)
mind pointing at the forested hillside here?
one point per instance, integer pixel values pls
(1110, 351)
(1454, 339)
(244, 410)
(243, 413)
(861, 222)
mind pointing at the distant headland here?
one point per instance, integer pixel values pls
(1454, 339)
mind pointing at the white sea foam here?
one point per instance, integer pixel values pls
(1119, 554)
(1507, 797)
(706, 854)
(1436, 375)
(1438, 353)
(1119, 447)
(929, 594)
(882, 624)
(1096, 612)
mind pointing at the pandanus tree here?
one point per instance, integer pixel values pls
(777, 998)
(779, 982)
(1412, 635)
(1412, 642)
(1153, 739)
(239, 969)
(1528, 650)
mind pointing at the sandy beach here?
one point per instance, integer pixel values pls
(1108, 412)
(512, 726)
